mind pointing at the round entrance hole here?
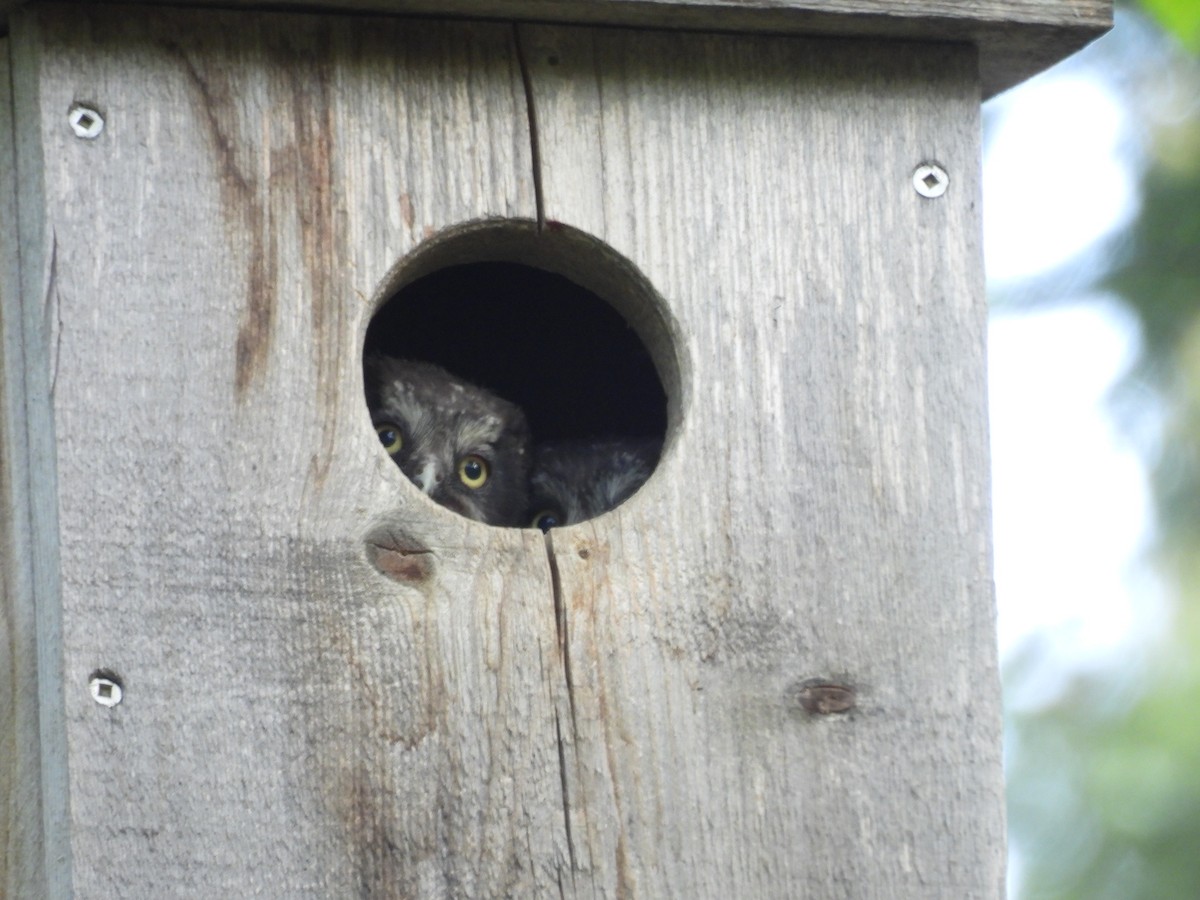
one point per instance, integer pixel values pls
(521, 377)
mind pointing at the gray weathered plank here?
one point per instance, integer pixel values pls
(822, 508)
(1016, 38)
(294, 723)
(21, 872)
(33, 825)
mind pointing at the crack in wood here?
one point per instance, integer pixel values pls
(560, 624)
(566, 798)
(53, 313)
(531, 113)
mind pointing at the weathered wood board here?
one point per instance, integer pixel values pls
(21, 869)
(614, 711)
(823, 511)
(1016, 38)
(293, 723)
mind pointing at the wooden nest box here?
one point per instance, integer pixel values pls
(243, 655)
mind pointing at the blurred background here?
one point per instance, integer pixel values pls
(1092, 239)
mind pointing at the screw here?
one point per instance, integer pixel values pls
(930, 180)
(105, 688)
(85, 121)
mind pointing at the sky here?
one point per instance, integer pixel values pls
(1071, 502)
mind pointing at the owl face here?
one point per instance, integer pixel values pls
(577, 480)
(468, 449)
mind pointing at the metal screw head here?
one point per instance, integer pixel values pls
(105, 688)
(86, 122)
(930, 180)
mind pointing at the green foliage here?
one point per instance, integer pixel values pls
(1104, 796)
(1179, 17)
(1159, 276)
(1104, 777)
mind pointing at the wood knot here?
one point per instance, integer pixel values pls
(823, 697)
(399, 556)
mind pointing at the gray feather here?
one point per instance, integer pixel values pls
(576, 480)
(443, 420)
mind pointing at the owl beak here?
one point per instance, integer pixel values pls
(428, 476)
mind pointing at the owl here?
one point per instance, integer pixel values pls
(575, 480)
(468, 449)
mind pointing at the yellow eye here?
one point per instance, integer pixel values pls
(546, 519)
(389, 436)
(473, 470)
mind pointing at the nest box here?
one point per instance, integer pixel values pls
(244, 656)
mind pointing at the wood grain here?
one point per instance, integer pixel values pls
(295, 723)
(1016, 38)
(821, 513)
(772, 673)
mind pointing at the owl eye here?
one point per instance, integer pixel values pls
(473, 471)
(389, 436)
(546, 519)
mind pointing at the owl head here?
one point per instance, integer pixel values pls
(576, 480)
(466, 448)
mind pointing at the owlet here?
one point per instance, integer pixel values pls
(468, 449)
(575, 480)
